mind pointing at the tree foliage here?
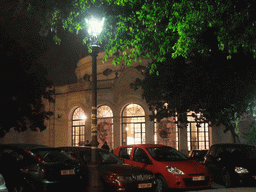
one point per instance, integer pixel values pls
(222, 90)
(206, 33)
(23, 87)
(154, 28)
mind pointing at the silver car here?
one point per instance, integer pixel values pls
(3, 187)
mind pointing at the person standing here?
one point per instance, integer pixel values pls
(105, 146)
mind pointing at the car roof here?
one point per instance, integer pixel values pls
(231, 144)
(24, 145)
(145, 145)
(78, 148)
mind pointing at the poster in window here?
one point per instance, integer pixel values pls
(167, 132)
(105, 132)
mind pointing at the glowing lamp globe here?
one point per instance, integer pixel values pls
(95, 26)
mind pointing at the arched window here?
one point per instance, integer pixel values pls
(133, 125)
(105, 126)
(78, 127)
(197, 132)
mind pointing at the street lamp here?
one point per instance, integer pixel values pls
(94, 31)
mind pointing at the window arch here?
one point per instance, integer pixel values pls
(78, 127)
(105, 126)
(133, 125)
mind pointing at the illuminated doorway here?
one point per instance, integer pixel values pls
(133, 125)
(78, 127)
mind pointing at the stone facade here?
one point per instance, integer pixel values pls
(114, 91)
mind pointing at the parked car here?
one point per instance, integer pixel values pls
(197, 155)
(231, 164)
(3, 187)
(171, 168)
(30, 167)
(114, 175)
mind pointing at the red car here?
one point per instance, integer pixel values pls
(171, 168)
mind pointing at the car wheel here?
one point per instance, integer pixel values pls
(160, 183)
(227, 179)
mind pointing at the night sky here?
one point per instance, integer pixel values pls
(59, 60)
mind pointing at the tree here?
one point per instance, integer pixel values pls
(154, 28)
(222, 90)
(23, 87)
(206, 33)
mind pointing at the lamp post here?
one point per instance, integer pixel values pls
(94, 30)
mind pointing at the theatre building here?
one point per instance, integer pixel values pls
(123, 116)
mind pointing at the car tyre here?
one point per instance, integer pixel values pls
(227, 179)
(160, 183)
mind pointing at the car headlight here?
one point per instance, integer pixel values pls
(241, 170)
(175, 170)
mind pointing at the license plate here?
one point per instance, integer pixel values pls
(145, 185)
(198, 178)
(68, 172)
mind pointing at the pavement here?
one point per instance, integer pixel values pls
(219, 188)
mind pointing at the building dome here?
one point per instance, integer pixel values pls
(106, 70)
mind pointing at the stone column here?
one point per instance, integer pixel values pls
(117, 132)
(183, 143)
(149, 125)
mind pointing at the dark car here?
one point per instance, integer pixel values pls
(197, 155)
(114, 175)
(30, 167)
(232, 164)
(172, 168)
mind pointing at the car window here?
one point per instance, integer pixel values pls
(140, 156)
(125, 152)
(108, 158)
(102, 157)
(166, 154)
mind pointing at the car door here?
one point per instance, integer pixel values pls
(124, 153)
(141, 159)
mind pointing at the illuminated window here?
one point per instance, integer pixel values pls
(78, 127)
(105, 126)
(133, 125)
(197, 132)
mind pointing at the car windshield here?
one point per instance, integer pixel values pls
(166, 154)
(198, 153)
(52, 155)
(103, 157)
(108, 158)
